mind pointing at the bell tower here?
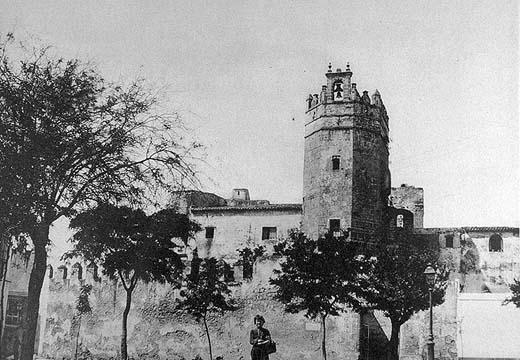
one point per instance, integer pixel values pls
(346, 181)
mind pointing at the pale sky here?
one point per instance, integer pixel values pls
(240, 71)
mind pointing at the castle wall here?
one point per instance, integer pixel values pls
(498, 268)
(414, 333)
(238, 228)
(466, 252)
(157, 331)
(410, 198)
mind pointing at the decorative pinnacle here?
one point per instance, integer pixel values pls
(348, 67)
(330, 67)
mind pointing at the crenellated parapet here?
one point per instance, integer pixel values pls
(76, 273)
(339, 100)
(72, 273)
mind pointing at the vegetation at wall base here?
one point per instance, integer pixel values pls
(132, 247)
(207, 293)
(318, 277)
(394, 282)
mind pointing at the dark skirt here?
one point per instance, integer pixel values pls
(258, 353)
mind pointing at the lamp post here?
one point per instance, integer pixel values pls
(430, 273)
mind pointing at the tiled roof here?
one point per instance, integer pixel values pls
(297, 207)
(472, 229)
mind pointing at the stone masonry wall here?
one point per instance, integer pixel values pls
(241, 228)
(368, 184)
(157, 331)
(414, 333)
(327, 192)
(410, 198)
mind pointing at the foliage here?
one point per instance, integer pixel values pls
(82, 308)
(82, 302)
(70, 139)
(395, 284)
(515, 290)
(248, 257)
(74, 138)
(469, 261)
(318, 276)
(128, 244)
(131, 246)
(207, 293)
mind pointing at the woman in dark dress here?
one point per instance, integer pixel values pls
(259, 338)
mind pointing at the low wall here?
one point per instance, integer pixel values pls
(157, 331)
(414, 333)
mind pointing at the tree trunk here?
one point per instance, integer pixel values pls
(207, 334)
(40, 238)
(124, 351)
(323, 346)
(77, 338)
(5, 266)
(393, 344)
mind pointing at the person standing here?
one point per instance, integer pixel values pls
(259, 337)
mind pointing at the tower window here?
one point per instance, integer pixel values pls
(449, 241)
(210, 232)
(335, 162)
(268, 233)
(495, 243)
(337, 93)
(334, 225)
(400, 221)
(15, 310)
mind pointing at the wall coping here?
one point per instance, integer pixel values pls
(471, 229)
(288, 207)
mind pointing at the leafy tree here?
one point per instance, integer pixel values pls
(318, 276)
(515, 290)
(82, 308)
(395, 283)
(207, 293)
(247, 259)
(132, 247)
(70, 139)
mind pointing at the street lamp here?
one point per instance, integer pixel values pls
(430, 273)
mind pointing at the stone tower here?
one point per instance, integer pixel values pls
(346, 181)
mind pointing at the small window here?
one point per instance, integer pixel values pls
(63, 270)
(335, 162)
(77, 271)
(210, 232)
(229, 275)
(400, 221)
(268, 233)
(15, 310)
(495, 243)
(334, 225)
(449, 241)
